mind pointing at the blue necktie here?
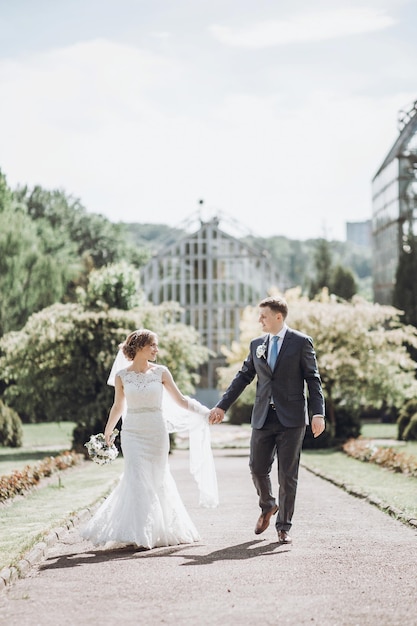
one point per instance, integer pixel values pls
(273, 352)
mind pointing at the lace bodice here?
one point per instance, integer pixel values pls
(143, 391)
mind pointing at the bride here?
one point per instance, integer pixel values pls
(145, 508)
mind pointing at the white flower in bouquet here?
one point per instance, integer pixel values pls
(99, 451)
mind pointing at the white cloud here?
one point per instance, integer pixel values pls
(94, 119)
(305, 27)
(81, 116)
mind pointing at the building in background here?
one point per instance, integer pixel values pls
(359, 233)
(394, 205)
(213, 276)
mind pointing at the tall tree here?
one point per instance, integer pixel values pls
(343, 283)
(34, 270)
(49, 244)
(113, 286)
(98, 241)
(5, 192)
(323, 268)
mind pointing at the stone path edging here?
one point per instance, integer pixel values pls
(394, 512)
(8, 575)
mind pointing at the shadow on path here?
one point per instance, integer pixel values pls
(239, 552)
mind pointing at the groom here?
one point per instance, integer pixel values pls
(283, 361)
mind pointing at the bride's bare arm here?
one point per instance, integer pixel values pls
(190, 404)
(116, 409)
(171, 386)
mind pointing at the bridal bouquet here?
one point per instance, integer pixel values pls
(99, 451)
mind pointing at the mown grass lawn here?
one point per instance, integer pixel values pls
(39, 441)
(26, 519)
(392, 489)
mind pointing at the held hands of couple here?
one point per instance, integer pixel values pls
(318, 423)
(216, 415)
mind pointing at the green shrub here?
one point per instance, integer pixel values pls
(407, 431)
(348, 424)
(239, 413)
(11, 432)
(325, 440)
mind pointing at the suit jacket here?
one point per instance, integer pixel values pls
(295, 366)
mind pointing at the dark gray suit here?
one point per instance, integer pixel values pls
(281, 429)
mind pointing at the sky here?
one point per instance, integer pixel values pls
(275, 114)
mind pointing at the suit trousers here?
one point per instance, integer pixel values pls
(274, 438)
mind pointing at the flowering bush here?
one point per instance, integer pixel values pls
(21, 481)
(397, 461)
(362, 353)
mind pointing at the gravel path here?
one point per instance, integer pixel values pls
(350, 564)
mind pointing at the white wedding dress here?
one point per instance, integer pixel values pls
(145, 508)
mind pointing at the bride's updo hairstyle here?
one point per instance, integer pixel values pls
(136, 341)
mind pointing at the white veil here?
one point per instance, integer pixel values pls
(180, 420)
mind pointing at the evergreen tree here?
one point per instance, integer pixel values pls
(97, 241)
(34, 269)
(49, 245)
(5, 193)
(343, 283)
(323, 268)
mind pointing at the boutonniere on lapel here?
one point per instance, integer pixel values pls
(261, 351)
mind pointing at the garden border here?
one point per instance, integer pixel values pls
(394, 512)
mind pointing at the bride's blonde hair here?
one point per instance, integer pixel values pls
(136, 341)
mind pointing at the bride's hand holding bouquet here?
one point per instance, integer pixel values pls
(101, 449)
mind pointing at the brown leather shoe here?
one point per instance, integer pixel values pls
(283, 537)
(263, 521)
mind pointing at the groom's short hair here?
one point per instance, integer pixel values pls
(277, 304)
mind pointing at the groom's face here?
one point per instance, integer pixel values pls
(270, 320)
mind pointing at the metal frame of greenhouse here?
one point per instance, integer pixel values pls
(394, 205)
(213, 276)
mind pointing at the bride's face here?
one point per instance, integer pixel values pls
(151, 350)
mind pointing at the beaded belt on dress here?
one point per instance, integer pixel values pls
(149, 409)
